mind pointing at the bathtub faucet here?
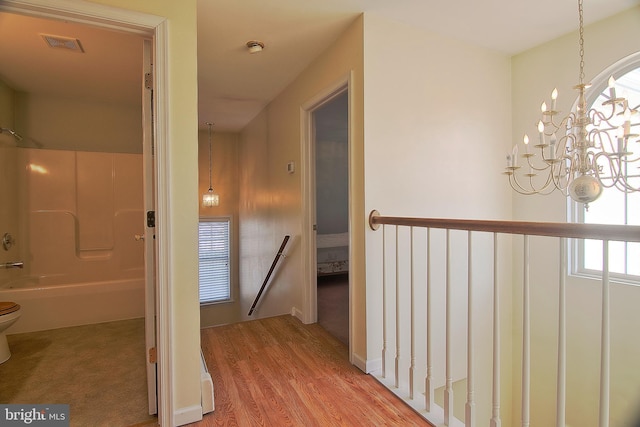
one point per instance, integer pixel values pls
(15, 264)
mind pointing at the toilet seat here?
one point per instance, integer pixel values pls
(7, 307)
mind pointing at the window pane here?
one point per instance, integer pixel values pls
(593, 255)
(213, 253)
(617, 258)
(633, 208)
(633, 259)
(608, 209)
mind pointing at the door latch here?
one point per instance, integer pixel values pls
(151, 219)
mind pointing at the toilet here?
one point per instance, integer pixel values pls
(9, 313)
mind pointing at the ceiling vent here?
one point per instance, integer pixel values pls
(60, 42)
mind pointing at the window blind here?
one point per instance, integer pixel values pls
(213, 255)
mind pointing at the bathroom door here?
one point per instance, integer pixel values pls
(150, 231)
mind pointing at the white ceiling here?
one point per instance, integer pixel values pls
(234, 85)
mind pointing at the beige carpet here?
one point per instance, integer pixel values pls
(333, 305)
(99, 370)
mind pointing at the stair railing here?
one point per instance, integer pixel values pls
(397, 255)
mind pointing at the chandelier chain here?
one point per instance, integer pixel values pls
(581, 42)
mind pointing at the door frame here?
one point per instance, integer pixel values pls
(155, 27)
(308, 234)
(149, 182)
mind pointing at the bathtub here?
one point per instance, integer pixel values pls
(63, 305)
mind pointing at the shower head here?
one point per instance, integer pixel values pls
(12, 132)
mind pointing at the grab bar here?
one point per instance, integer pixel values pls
(14, 264)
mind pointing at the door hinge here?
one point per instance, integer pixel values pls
(153, 355)
(148, 80)
(151, 219)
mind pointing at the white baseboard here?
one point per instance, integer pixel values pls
(187, 415)
(206, 387)
(297, 313)
(367, 366)
(359, 362)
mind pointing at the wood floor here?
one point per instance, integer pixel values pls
(280, 372)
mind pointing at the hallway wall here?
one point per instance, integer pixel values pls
(437, 122)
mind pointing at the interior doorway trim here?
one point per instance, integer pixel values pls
(308, 237)
(155, 27)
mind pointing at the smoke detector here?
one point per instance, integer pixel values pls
(255, 46)
(60, 42)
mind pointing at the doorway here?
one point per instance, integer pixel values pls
(331, 143)
(336, 116)
(88, 23)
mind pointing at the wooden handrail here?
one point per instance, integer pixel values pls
(279, 255)
(627, 233)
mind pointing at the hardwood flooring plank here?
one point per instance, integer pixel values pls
(279, 372)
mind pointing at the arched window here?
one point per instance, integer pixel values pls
(613, 206)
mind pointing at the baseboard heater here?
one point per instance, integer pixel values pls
(206, 387)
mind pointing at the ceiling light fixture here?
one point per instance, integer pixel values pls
(255, 46)
(584, 152)
(210, 198)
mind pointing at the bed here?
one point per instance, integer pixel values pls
(332, 253)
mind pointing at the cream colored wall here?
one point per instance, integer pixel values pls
(7, 100)
(182, 128)
(225, 148)
(271, 199)
(9, 219)
(535, 73)
(437, 120)
(63, 123)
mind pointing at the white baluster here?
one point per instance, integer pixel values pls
(397, 370)
(413, 333)
(384, 304)
(495, 405)
(448, 391)
(526, 338)
(562, 340)
(470, 405)
(604, 345)
(428, 381)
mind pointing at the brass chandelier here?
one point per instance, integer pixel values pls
(584, 152)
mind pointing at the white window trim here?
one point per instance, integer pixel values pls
(231, 298)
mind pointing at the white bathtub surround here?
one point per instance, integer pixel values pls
(77, 222)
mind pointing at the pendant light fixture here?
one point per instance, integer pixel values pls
(210, 198)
